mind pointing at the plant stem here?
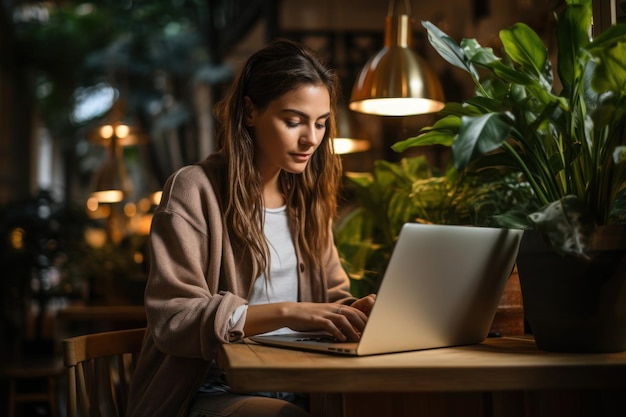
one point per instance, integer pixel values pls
(529, 176)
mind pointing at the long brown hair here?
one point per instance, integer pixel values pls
(280, 67)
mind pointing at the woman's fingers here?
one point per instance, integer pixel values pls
(365, 304)
(355, 316)
(341, 321)
(350, 321)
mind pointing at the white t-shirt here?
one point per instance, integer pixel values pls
(283, 281)
(282, 285)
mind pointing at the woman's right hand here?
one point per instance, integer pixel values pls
(341, 321)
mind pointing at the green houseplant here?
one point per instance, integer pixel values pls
(569, 145)
(412, 191)
(566, 136)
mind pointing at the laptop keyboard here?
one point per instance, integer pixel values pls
(319, 339)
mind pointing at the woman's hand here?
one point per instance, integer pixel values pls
(341, 321)
(365, 304)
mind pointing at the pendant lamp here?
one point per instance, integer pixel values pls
(397, 81)
(111, 182)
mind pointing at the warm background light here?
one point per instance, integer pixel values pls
(121, 131)
(345, 145)
(108, 196)
(106, 131)
(397, 106)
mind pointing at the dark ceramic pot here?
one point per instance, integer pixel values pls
(573, 304)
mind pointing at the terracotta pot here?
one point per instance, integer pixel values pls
(573, 304)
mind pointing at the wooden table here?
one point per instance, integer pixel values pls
(500, 377)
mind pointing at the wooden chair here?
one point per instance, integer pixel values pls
(99, 367)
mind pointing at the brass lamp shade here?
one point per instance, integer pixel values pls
(397, 81)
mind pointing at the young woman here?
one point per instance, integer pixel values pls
(241, 243)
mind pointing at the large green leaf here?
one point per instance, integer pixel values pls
(485, 104)
(477, 136)
(545, 97)
(610, 71)
(441, 133)
(450, 123)
(459, 109)
(477, 53)
(586, 3)
(572, 34)
(509, 74)
(449, 49)
(498, 89)
(434, 137)
(525, 47)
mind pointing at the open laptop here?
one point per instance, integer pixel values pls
(441, 288)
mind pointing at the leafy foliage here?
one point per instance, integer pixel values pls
(410, 191)
(567, 144)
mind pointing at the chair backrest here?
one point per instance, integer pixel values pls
(99, 367)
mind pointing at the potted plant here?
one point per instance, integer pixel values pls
(569, 147)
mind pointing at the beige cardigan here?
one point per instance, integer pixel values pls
(197, 279)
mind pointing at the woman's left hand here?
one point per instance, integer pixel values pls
(365, 304)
